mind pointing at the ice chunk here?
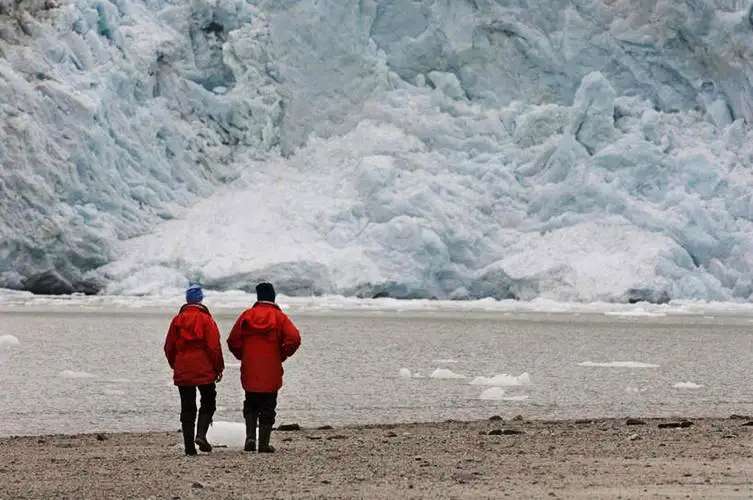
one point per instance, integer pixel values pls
(498, 394)
(8, 341)
(503, 380)
(618, 364)
(76, 374)
(405, 373)
(593, 113)
(444, 373)
(687, 385)
(230, 434)
(492, 394)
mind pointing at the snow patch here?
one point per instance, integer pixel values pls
(405, 373)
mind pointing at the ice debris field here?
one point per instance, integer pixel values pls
(566, 150)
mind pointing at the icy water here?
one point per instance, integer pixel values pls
(80, 370)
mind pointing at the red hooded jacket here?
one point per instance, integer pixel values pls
(192, 347)
(262, 338)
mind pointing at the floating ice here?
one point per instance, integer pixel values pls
(492, 394)
(8, 341)
(498, 394)
(230, 434)
(76, 374)
(444, 373)
(687, 385)
(503, 380)
(405, 373)
(618, 364)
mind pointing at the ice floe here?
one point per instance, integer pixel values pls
(503, 380)
(444, 373)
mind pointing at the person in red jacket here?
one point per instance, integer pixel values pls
(193, 350)
(262, 338)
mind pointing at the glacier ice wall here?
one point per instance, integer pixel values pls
(572, 149)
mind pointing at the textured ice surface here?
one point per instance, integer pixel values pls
(575, 150)
(503, 380)
(618, 364)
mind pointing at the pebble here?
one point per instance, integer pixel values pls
(101, 437)
(325, 428)
(505, 432)
(495, 418)
(634, 437)
(197, 485)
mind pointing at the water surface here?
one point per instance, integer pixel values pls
(347, 370)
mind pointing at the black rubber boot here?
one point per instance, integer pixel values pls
(202, 427)
(251, 432)
(265, 432)
(188, 438)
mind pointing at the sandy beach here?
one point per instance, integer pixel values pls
(485, 459)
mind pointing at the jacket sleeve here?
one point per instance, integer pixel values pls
(214, 347)
(170, 344)
(291, 338)
(235, 339)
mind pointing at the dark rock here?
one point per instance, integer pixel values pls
(518, 418)
(197, 485)
(634, 421)
(286, 440)
(584, 421)
(325, 428)
(676, 425)
(313, 438)
(748, 424)
(337, 436)
(41, 441)
(735, 416)
(505, 432)
(101, 437)
(390, 434)
(496, 418)
(289, 427)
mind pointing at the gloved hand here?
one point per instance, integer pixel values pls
(219, 377)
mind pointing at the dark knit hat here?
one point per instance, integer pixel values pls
(266, 292)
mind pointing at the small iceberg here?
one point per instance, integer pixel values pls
(444, 373)
(687, 385)
(503, 380)
(8, 341)
(75, 374)
(618, 364)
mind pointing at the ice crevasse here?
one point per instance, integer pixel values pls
(567, 149)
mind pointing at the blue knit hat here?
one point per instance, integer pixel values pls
(194, 294)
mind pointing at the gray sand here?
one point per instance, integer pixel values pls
(567, 459)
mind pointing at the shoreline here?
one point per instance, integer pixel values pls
(590, 458)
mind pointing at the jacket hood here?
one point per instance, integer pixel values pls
(188, 322)
(263, 318)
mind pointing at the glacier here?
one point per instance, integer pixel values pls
(568, 150)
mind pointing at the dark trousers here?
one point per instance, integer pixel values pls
(208, 394)
(261, 405)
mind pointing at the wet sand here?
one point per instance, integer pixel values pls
(521, 459)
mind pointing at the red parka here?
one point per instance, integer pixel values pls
(262, 338)
(192, 347)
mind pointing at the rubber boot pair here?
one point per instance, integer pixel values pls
(202, 427)
(265, 432)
